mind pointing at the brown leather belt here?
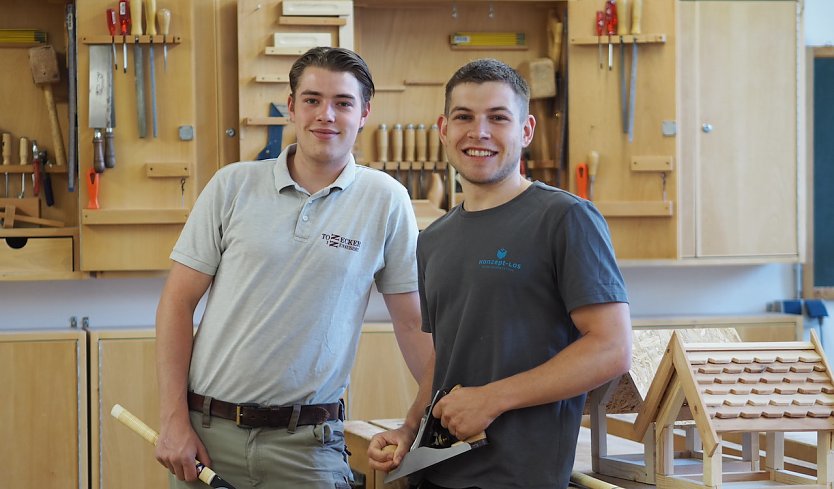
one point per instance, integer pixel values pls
(256, 416)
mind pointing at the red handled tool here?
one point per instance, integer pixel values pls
(610, 27)
(92, 189)
(582, 180)
(600, 28)
(124, 26)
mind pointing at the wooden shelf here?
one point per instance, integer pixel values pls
(648, 208)
(300, 20)
(458, 47)
(17, 169)
(167, 170)
(627, 39)
(103, 217)
(295, 51)
(129, 39)
(266, 121)
(272, 79)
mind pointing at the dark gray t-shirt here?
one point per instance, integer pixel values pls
(496, 288)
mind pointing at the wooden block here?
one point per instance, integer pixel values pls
(540, 75)
(29, 206)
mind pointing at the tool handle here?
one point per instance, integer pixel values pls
(112, 21)
(409, 142)
(382, 143)
(636, 16)
(7, 148)
(593, 163)
(136, 17)
(434, 143)
(98, 151)
(54, 126)
(127, 418)
(24, 151)
(164, 19)
(36, 176)
(150, 17)
(124, 17)
(47, 189)
(582, 180)
(92, 189)
(397, 143)
(420, 142)
(109, 148)
(599, 24)
(610, 17)
(622, 20)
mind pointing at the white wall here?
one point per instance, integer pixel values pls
(819, 29)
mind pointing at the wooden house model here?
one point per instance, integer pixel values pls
(747, 388)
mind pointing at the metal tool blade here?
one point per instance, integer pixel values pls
(422, 457)
(140, 90)
(633, 92)
(153, 89)
(100, 83)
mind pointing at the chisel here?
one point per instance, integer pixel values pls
(150, 18)
(636, 17)
(112, 22)
(124, 26)
(164, 19)
(24, 156)
(127, 418)
(610, 28)
(622, 30)
(138, 63)
(593, 165)
(7, 156)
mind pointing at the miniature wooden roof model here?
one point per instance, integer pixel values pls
(742, 387)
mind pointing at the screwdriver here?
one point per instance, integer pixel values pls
(111, 26)
(610, 28)
(600, 26)
(164, 19)
(124, 26)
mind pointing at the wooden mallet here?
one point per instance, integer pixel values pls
(44, 65)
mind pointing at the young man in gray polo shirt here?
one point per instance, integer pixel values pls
(290, 248)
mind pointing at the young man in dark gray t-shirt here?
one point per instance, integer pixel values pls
(522, 294)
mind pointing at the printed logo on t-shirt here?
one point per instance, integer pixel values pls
(337, 241)
(499, 263)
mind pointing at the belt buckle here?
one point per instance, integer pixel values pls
(238, 413)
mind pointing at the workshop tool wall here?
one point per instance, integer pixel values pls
(691, 147)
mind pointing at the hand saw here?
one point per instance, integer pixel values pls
(433, 444)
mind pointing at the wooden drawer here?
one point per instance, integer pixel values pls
(35, 255)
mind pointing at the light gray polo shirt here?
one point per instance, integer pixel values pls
(292, 277)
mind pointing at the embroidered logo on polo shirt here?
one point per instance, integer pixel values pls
(337, 241)
(500, 263)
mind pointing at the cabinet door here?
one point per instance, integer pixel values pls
(738, 72)
(123, 371)
(44, 410)
(381, 386)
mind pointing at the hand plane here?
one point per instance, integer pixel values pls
(433, 444)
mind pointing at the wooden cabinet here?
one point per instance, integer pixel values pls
(123, 371)
(738, 128)
(711, 175)
(44, 427)
(381, 386)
